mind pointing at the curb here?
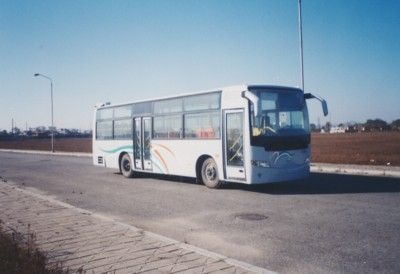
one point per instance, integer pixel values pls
(201, 251)
(375, 171)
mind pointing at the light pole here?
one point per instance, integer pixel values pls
(52, 117)
(301, 44)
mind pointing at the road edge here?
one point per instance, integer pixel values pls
(374, 171)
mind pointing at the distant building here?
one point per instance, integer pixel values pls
(338, 129)
(352, 128)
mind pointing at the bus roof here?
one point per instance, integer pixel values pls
(242, 87)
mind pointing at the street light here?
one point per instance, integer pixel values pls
(52, 118)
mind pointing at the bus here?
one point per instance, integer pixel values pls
(251, 134)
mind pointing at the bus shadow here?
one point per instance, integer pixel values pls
(322, 183)
(163, 177)
(317, 183)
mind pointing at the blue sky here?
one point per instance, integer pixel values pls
(126, 50)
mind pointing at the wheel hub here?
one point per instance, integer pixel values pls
(126, 165)
(211, 172)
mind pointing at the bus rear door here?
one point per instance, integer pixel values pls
(142, 142)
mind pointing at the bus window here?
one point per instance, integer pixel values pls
(202, 125)
(123, 129)
(167, 127)
(202, 102)
(104, 130)
(142, 108)
(123, 112)
(105, 113)
(168, 106)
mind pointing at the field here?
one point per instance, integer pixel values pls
(375, 148)
(64, 144)
(372, 148)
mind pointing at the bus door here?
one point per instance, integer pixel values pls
(141, 143)
(233, 144)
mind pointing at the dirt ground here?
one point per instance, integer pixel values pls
(374, 148)
(63, 144)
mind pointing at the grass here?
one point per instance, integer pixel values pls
(19, 254)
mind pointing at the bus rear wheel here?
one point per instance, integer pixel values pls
(126, 166)
(209, 174)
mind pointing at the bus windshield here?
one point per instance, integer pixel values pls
(282, 113)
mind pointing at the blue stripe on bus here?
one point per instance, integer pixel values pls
(156, 163)
(117, 149)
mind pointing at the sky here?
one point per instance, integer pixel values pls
(117, 51)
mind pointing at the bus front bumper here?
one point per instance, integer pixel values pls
(263, 175)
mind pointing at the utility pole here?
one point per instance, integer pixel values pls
(52, 113)
(301, 44)
(12, 125)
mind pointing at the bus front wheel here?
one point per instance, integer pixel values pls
(209, 174)
(126, 166)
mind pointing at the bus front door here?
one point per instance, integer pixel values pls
(233, 145)
(141, 143)
(137, 144)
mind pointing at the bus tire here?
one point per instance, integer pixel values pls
(209, 174)
(126, 166)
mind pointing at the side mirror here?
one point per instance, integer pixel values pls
(323, 102)
(324, 107)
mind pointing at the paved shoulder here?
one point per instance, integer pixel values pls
(83, 241)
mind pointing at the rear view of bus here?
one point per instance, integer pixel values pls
(279, 133)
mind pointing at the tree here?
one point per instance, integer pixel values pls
(16, 131)
(395, 125)
(377, 124)
(313, 128)
(327, 127)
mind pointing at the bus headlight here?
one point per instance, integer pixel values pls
(260, 163)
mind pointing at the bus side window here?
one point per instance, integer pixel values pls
(202, 125)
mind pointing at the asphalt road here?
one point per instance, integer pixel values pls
(327, 223)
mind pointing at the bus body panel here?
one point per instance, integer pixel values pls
(171, 157)
(110, 150)
(179, 157)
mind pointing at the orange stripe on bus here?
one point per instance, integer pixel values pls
(166, 148)
(162, 160)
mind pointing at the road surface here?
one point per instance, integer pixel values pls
(327, 223)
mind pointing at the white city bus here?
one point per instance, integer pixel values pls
(250, 134)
